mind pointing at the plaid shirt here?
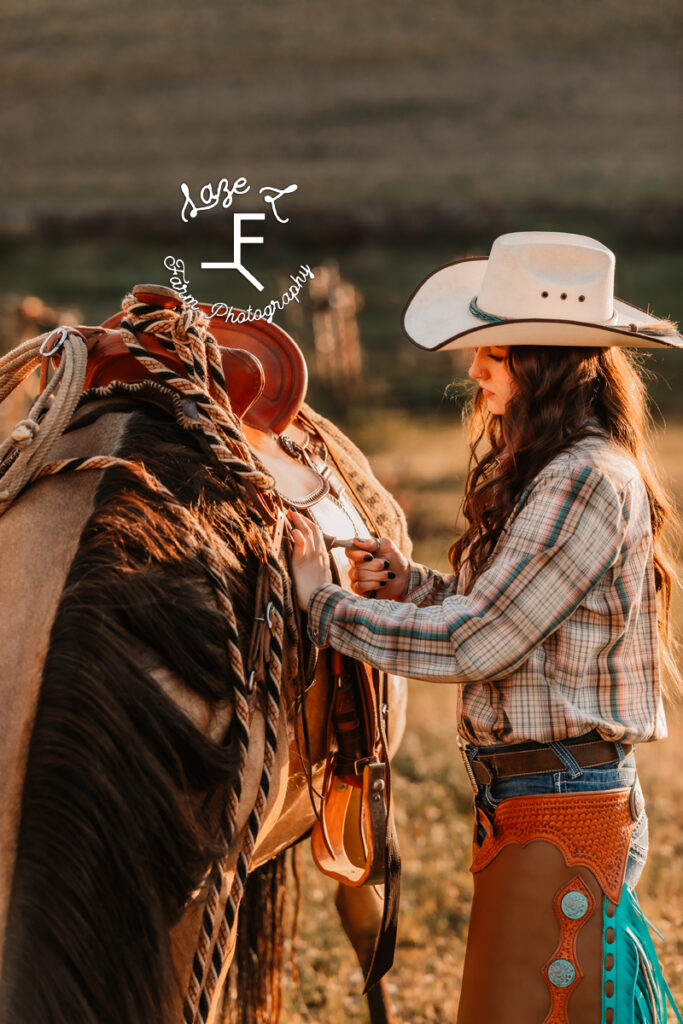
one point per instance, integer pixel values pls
(557, 637)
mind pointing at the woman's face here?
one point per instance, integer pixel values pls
(490, 369)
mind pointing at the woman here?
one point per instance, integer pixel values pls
(554, 624)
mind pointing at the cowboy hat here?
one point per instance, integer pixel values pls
(536, 288)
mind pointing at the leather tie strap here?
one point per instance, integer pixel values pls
(508, 764)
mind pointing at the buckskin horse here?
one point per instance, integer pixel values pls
(166, 727)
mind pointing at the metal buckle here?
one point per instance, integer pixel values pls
(59, 343)
(265, 618)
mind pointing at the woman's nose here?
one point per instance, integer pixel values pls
(475, 371)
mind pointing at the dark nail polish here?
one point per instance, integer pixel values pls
(386, 564)
(367, 558)
(391, 575)
(382, 583)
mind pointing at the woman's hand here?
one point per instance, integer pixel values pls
(310, 561)
(378, 570)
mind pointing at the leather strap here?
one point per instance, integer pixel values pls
(508, 764)
(385, 942)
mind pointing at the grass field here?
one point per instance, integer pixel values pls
(423, 463)
(381, 105)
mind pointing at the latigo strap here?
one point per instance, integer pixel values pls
(354, 839)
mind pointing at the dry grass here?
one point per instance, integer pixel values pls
(433, 795)
(423, 462)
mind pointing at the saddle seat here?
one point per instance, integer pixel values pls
(265, 370)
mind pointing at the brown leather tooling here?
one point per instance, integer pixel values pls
(593, 829)
(542, 873)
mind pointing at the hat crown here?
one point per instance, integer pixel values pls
(548, 274)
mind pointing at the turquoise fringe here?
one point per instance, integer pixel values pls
(640, 994)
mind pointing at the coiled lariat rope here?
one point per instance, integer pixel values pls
(184, 333)
(24, 453)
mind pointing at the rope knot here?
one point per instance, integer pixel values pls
(24, 432)
(189, 326)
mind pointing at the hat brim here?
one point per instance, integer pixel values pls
(437, 317)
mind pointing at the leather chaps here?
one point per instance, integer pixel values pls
(548, 877)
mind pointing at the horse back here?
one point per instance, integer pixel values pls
(112, 635)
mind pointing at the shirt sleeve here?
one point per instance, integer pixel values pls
(427, 586)
(567, 532)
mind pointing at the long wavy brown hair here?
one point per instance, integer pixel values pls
(560, 396)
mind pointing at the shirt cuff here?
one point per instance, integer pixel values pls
(320, 612)
(420, 584)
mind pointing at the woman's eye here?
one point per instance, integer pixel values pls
(497, 359)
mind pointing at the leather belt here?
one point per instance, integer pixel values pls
(505, 764)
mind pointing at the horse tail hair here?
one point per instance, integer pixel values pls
(253, 992)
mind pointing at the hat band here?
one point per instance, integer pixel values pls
(489, 317)
(492, 319)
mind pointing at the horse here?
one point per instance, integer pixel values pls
(167, 726)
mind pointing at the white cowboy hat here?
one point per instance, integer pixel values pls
(536, 288)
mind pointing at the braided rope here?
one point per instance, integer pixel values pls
(183, 332)
(483, 315)
(207, 969)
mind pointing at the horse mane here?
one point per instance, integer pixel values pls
(121, 808)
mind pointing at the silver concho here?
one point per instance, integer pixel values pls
(574, 905)
(561, 973)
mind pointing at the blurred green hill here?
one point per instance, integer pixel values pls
(415, 134)
(381, 108)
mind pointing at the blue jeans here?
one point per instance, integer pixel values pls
(574, 779)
